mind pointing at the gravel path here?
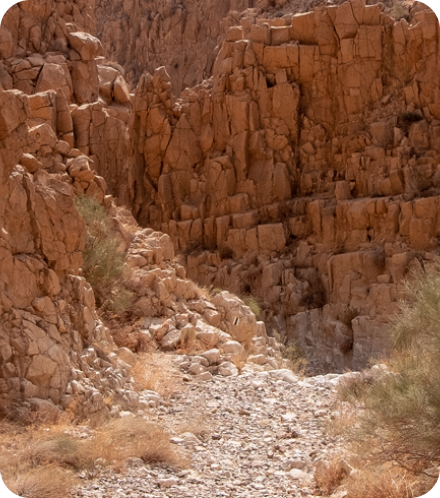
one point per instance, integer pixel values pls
(265, 433)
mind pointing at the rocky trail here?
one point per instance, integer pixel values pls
(261, 435)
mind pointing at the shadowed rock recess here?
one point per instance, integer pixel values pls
(299, 165)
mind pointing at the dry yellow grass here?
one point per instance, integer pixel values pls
(330, 474)
(343, 417)
(385, 483)
(155, 372)
(198, 424)
(134, 437)
(40, 462)
(49, 482)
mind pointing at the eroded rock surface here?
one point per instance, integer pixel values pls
(310, 157)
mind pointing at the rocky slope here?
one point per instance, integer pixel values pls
(257, 440)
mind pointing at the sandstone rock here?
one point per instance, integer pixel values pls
(227, 369)
(121, 91)
(213, 356)
(31, 163)
(7, 48)
(87, 46)
(126, 355)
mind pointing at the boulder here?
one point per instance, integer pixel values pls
(87, 46)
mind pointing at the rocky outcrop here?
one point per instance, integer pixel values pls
(55, 353)
(321, 184)
(305, 154)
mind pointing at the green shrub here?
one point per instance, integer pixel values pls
(103, 263)
(253, 304)
(401, 417)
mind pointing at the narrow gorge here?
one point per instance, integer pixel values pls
(267, 175)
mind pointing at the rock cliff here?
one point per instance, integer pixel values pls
(55, 353)
(304, 172)
(311, 156)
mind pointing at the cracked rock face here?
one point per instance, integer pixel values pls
(310, 157)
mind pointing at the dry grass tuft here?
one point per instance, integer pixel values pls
(38, 462)
(188, 343)
(344, 417)
(239, 360)
(354, 387)
(198, 424)
(48, 482)
(156, 372)
(293, 353)
(330, 474)
(134, 437)
(381, 483)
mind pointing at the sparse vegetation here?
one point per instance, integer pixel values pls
(399, 11)
(293, 353)
(103, 265)
(348, 315)
(253, 304)
(45, 461)
(152, 372)
(330, 474)
(397, 423)
(380, 483)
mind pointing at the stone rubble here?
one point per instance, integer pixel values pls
(265, 438)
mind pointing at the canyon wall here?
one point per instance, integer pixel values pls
(63, 114)
(310, 157)
(303, 172)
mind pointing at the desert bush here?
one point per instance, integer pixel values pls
(103, 262)
(354, 387)
(400, 421)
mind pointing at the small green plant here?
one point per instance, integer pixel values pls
(103, 262)
(253, 304)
